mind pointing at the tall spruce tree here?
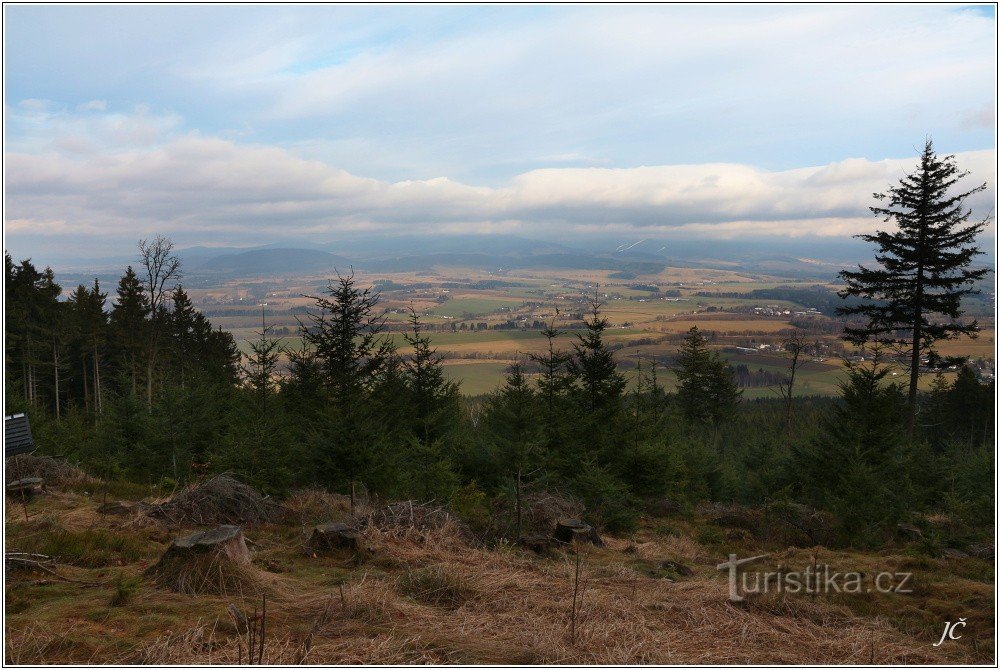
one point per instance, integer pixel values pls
(552, 382)
(913, 298)
(858, 466)
(128, 325)
(592, 367)
(348, 337)
(706, 390)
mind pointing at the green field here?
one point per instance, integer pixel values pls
(467, 307)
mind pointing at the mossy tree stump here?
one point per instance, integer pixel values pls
(569, 531)
(332, 536)
(212, 561)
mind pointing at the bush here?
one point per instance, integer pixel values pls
(125, 589)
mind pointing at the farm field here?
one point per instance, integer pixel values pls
(463, 311)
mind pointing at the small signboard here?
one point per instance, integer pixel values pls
(17, 436)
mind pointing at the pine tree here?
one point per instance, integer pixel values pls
(706, 391)
(53, 316)
(347, 337)
(511, 418)
(913, 298)
(858, 467)
(181, 324)
(129, 323)
(89, 326)
(262, 364)
(432, 396)
(593, 367)
(552, 383)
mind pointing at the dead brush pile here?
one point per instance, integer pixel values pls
(409, 518)
(218, 501)
(54, 471)
(543, 510)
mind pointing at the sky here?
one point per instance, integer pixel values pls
(241, 125)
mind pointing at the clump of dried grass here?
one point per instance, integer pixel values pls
(422, 523)
(220, 500)
(311, 506)
(435, 585)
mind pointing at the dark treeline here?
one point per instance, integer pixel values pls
(147, 390)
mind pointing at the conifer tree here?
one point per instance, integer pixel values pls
(347, 336)
(511, 418)
(432, 396)
(128, 324)
(593, 368)
(552, 382)
(913, 297)
(89, 324)
(706, 391)
(858, 467)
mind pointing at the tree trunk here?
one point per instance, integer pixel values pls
(517, 500)
(86, 384)
(135, 383)
(914, 373)
(97, 383)
(149, 384)
(55, 366)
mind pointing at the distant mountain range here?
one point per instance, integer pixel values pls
(794, 258)
(415, 253)
(271, 262)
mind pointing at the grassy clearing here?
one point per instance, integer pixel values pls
(88, 547)
(428, 596)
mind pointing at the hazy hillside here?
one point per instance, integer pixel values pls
(273, 261)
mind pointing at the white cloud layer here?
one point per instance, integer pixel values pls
(114, 174)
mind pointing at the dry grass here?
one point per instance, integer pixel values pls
(311, 506)
(429, 596)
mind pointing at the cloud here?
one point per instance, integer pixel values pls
(480, 93)
(93, 106)
(118, 175)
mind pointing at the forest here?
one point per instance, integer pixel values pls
(150, 392)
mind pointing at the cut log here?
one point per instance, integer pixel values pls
(25, 488)
(574, 530)
(909, 531)
(212, 561)
(330, 536)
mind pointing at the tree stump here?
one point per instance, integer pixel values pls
(25, 488)
(330, 536)
(212, 561)
(574, 530)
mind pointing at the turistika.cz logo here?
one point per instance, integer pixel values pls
(814, 579)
